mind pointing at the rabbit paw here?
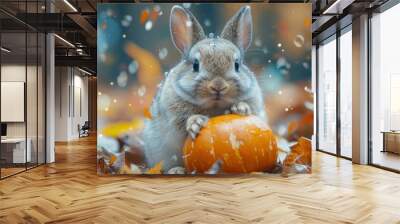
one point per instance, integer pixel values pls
(195, 123)
(241, 108)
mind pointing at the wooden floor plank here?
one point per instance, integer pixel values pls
(69, 191)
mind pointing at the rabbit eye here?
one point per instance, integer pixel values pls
(237, 66)
(196, 65)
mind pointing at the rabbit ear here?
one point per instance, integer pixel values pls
(239, 29)
(185, 29)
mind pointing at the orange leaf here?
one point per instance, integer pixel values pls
(144, 16)
(147, 113)
(156, 169)
(113, 159)
(292, 127)
(300, 154)
(150, 70)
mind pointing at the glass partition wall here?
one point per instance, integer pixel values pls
(385, 90)
(22, 77)
(334, 94)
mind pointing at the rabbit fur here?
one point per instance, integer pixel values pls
(210, 80)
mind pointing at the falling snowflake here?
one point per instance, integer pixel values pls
(104, 101)
(298, 40)
(207, 23)
(148, 25)
(128, 18)
(110, 13)
(309, 105)
(258, 42)
(133, 67)
(125, 23)
(283, 66)
(122, 79)
(162, 53)
(141, 91)
(308, 90)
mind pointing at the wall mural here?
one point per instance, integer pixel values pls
(200, 88)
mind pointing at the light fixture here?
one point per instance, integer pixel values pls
(5, 50)
(70, 5)
(337, 7)
(64, 40)
(84, 71)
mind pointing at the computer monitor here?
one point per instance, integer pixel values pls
(3, 129)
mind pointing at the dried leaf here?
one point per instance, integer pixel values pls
(292, 127)
(176, 170)
(113, 159)
(300, 155)
(144, 15)
(155, 169)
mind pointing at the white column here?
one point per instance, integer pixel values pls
(50, 92)
(360, 90)
(50, 99)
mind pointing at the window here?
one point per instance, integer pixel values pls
(385, 89)
(327, 96)
(346, 93)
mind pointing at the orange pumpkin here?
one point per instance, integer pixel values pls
(242, 143)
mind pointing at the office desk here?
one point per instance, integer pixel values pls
(13, 150)
(391, 141)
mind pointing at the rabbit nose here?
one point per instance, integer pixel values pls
(218, 89)
(218, 86)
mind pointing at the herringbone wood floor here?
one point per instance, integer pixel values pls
(69, 191)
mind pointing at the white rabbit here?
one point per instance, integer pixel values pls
(210, 80)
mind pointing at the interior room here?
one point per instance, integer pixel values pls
(199, 111)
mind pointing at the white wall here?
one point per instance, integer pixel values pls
(71, 94)
(16, 73)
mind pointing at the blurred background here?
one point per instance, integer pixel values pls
(135, 51)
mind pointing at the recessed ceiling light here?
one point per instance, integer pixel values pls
(64, 40)
(337, 7)
(70, 5)
(5, 50)
(84, 71)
